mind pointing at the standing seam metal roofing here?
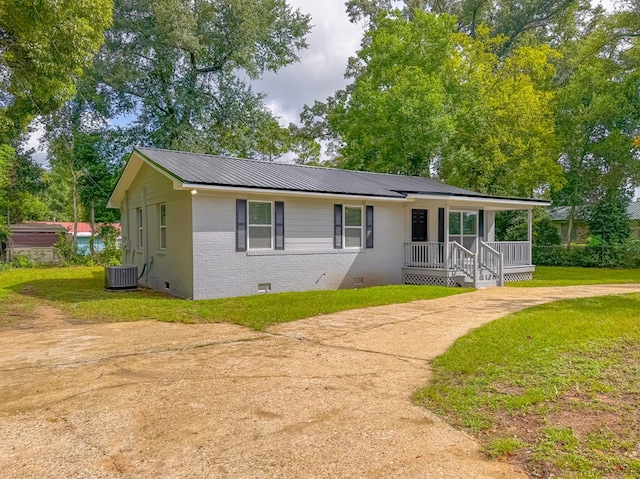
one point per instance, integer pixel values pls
(194, 168)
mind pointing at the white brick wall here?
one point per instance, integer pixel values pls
(172, 266)
(308, 261)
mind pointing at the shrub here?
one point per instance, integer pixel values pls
(70, 255)
(609, 220)
(111, 254)
(595, 254)
(22, 261)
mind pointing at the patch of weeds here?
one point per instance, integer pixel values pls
(556, 440)
(503, 447)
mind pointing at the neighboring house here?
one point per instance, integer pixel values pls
(83, 236)
(201, 226)
(34, 241)
(580, 228)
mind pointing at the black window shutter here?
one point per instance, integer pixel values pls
(241, 225)
(481, 225)
(369, 227)
(279, 225)
(337, 226)
(440, 225)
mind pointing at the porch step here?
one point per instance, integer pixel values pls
(467, 282)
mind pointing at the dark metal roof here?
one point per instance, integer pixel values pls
(195, 168)
(36, 228)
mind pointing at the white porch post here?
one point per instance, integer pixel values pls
(530, 233)
(446, 237)
(490, 225)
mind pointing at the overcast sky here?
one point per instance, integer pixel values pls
(321, 70)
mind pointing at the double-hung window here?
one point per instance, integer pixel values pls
(260, 225)
(255, 225)
(163, 226)
(140, 226)
(353, 226)
(350, 226)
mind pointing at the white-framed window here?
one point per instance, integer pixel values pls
(260, 224)
(353, 226)
(140, 227)
(163, 226)
(463, 227)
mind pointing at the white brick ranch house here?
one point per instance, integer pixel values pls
(202, 226)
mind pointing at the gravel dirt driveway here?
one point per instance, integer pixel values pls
(325, 397)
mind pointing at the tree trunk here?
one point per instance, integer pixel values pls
(572, 212)
(93, 231)
(74, 240)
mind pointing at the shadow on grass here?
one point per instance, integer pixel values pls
(78, 290)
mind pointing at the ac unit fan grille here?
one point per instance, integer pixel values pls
(120, 277)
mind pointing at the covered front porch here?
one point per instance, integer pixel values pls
(466, 253)
(495, 263)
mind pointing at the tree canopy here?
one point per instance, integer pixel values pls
(429, 100)
(45, 45)
(182, 69)
(534, 98)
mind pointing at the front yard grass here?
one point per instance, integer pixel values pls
(80, 292)
(567, 276)
(555, 387)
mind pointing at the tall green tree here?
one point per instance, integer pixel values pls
(504, 141)
(44, 45)
(86, 153)
(609, 220)
(598, 116)
(427, 99)
(520, 23)
(394, 117)
(181, 69)
(22, 180)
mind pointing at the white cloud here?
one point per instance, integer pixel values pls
(333, 39)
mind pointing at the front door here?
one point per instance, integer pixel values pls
(418, 225)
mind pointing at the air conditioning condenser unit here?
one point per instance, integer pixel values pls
(120, 278)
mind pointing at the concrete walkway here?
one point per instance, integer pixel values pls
(325, 397)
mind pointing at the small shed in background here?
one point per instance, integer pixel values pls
(34, 240)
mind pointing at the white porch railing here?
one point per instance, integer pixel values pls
(424, 255)
(431, 255)
(461, 259)
(515, 253)
(492, 261)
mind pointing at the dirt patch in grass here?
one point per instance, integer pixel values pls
(567, 405)
(582, 429)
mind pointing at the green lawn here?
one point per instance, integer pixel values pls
(566, 276)
(555, 387)
(80, 292)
